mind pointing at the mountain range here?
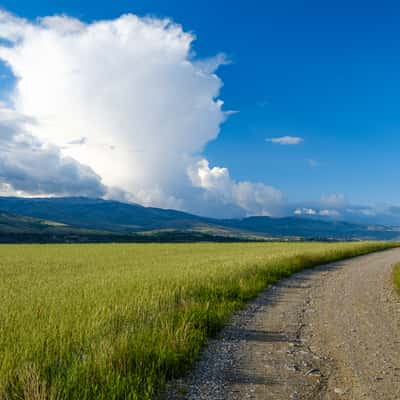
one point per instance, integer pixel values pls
(86, 219)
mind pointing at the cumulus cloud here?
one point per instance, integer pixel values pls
(316, 212)
(127, 85)
(305, 211)
(286, 140)
(329, 213)
(126, 98)
(332, 205)
(254, 198)
(28, 167)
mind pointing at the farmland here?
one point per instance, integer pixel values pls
(116, 321)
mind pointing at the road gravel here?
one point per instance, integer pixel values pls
(332, 332)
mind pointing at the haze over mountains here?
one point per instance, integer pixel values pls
(87, 219)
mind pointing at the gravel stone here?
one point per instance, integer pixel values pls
(347, 345)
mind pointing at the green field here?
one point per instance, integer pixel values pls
(116, 321)
(396, 276)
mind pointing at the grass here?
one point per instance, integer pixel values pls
(396, 277)
(116, 321)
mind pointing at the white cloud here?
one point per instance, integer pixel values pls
(211, 64)
(125, 98)
(29, 167)
(286, 140)
(128, 86)
(254, 198)
(305, 211)
(316, 212)
(329, 213)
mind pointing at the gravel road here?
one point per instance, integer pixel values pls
(328, 333)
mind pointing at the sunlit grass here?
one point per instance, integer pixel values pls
(115, 321)
(396, 276)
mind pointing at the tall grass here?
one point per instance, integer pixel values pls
(396, 277)
(117, 321)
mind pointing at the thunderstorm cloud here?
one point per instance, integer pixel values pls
(121, 106)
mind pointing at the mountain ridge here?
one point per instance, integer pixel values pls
(114, 217)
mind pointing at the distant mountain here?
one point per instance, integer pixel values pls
(312, 228)
(85, 216)
(22, 229)
(17, 228)
(100, 214)
(10, 223)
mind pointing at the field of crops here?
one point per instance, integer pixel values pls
(116, 321)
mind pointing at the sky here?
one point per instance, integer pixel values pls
(213, 107)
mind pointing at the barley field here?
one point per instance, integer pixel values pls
(117, 321)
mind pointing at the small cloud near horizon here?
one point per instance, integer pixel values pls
(285, 140)
(312, 211)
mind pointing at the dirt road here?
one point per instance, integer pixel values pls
(328, 333)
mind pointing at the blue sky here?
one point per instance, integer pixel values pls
(327, 72)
